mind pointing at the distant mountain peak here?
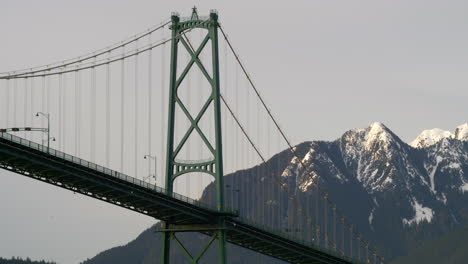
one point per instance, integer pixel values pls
(430, 137)
(378, 125)
(461, 132)
(378, 132)
(376, 136)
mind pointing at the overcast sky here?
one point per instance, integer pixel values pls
(336, 64)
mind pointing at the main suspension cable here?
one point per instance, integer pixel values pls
(94, 64)
(86, 57)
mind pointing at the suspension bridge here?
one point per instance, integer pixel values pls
(201, 154)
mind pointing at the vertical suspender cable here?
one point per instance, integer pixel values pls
(80, 96)
(150, 71)
(189, 100)
(3, 93)
(334, 229)
(226, 89)
(93, 113)
(260, 176)
(342, 236)
(317, 233)
(49, 99)
(280, 188)
(59, 107)
(226, 129)
(43, 98)
(122, 110)
(108, 111)
(367, 254)
(12, 123)
(48, 88)
(269, 175)
(135, 149)
(64, 107)
(306, 219)
(163, 107)
(31, 102)
(351, 241)
(359, 248)
(247, 155)
(77, 123)
(7, 104)
(238, 145)
(26, 103)
(15, 102)
(248, 116)
(325, 221)
(3, 90)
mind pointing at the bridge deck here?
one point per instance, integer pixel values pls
(54, 167)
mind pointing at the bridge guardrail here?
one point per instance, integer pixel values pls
(107, 171)
(293, 238)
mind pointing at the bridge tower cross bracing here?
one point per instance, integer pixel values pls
(213, 167)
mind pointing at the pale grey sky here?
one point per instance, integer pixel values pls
(324, 67)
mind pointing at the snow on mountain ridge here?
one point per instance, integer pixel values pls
(430, 137)
(378, 132)
(381, 161)
(374, 154)
(461, 132)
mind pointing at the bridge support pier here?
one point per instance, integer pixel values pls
(222, 246)
(215, 231)
(166, 246)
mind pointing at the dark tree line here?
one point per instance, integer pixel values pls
(17, 260)
(451, 248)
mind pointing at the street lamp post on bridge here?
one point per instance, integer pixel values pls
(51, 138)
(46, 115)
(150, 157)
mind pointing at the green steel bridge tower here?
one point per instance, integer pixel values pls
(212, 167)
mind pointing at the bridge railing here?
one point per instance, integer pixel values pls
(107, 171)
(309, 243)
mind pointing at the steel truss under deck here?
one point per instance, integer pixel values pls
(185, 215)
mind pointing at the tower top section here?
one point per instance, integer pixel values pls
(195, 19)
(194, 13)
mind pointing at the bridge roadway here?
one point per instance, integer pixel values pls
(54, 167)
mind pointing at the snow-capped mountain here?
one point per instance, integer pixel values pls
(431, 136)
(380, 161)
(396, 186)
